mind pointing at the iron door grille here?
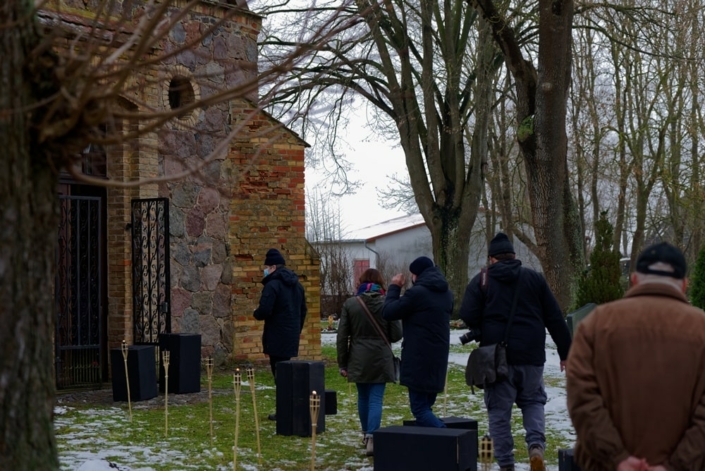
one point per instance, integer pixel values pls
(150, 269)
(77, 341)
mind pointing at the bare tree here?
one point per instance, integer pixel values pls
(325, 232)
(541, 100)
(415, 63)
(63, 87)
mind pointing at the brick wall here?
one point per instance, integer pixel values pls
(227, 214)
(267, 211)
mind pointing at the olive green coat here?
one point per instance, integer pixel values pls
(361, 350)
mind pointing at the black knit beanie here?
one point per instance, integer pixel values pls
(274, 257)
(500, 244)
(420, 264)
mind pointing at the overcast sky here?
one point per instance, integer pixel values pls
(374, 159)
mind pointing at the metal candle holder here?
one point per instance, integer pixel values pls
(165, 359)
(486, 452)
(315, 407)
(251, 379)
(209, 373)
(237, 383)
(127, 377)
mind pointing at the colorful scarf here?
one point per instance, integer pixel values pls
(369, 288)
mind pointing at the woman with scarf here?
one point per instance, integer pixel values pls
(364, 357)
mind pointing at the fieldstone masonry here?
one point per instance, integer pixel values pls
(226, 214)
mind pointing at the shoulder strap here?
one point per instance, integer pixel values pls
(374, 321)
(514, 307)
(483, 279)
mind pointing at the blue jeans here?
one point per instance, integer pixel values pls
(369, 405)
(525, 387)
(421, 404)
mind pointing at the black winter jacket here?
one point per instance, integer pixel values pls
(425, 311)
(282, 307)
(537, 310)
(361, 350)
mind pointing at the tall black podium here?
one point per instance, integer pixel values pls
(141, 371)
(184, 362)
(296, 380)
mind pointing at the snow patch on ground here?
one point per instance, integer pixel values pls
(140, 458)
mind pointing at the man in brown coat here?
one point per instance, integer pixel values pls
(636, 374)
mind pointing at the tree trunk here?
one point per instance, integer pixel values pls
(27, 250)
(555, 215)
(451, 250)
(541, 114)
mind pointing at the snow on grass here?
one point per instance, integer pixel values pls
(85, 445)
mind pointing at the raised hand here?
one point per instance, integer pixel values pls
(399, 280)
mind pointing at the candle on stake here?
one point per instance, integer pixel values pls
(315, 407)
(251, 379)
(209, 374)
(165, 359)
(486, 452)
(445, 397)
(237, 383)
(127, 377)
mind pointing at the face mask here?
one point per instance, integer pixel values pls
(266, 272)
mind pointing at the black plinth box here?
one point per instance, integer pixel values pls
(425, 448)
(184, 362)
(141, 370)
(566, 461)
(296, 380)
(331, 402)
(452, 422)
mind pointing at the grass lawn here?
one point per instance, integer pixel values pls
(88, 431)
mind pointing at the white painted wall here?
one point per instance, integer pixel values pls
(394, 252)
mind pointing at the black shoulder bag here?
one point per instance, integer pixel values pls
(397, 361)
(488, 364)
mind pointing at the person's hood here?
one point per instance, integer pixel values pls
(286, 276)
(506, 271)
(373, 300)
(433, 279)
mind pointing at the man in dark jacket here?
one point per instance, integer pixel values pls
(486, 306)
(282, 307)
(425, 311)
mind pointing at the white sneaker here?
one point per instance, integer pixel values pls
(369, 446)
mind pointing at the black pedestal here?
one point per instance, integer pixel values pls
(566, 462)
(184, 362)
(425, 448)
(451, 422)
(141, 371)
(331, 402)
(296, 380)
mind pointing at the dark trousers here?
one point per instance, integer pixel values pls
(421, 404)
(273, 360)
(524, 387)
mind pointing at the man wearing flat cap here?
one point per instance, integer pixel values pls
(487, 305)
(282, 307)
(425, 311)
(636, 374)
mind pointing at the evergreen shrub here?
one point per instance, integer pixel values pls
(697, 285)
(601, 282)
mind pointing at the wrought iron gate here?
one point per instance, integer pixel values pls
(79, 293)
(150, 269)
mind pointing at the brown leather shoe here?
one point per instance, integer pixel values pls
(536, 458)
